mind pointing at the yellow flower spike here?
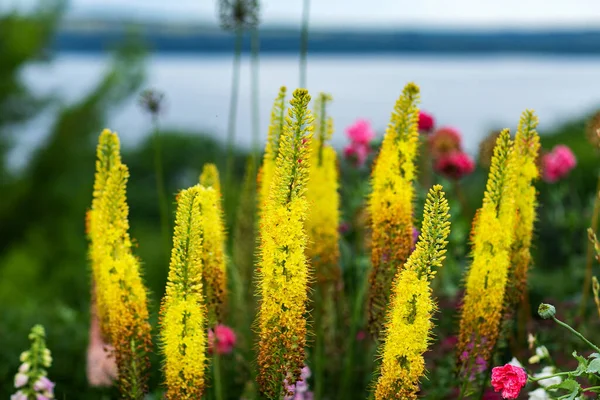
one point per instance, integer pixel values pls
(283, 271)
(390, 204)
(183, 313)
(271, 149)
(323, 220)
(213, 231)
(107, 156)
(121, 294)
(487, 278)
(214, 271)
(409, 316)
(527, 144)
(210, 177)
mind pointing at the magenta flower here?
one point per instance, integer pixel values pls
(21, 380)
(225, 337)
(300, 389)
(361, 132)
(509, 380)
(444, 141)
(455, 165)
(426, 122)
(42, 397)
(558, 163)
(357, 153)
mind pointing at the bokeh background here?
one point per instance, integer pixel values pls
(69, 69)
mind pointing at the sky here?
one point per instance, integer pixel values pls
(374, 13)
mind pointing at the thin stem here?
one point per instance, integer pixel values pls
(217, 377)
(160, 187)
(304, 42)
(541, 378)
(255, 67)
(579, 335)
(233, 103)
(587, 389)
(349, 356)
(590, 254)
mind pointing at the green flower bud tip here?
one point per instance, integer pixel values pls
(546, 311)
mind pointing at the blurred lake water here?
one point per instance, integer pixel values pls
(473, 94)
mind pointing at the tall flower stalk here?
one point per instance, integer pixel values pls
(121, 295)
(488, 276)
(391, 203)
(212, 231)
(183, 313)
(237, 16)
(283, 272)
(322, 228)
(304, 42)
(410, 314)
(32, 379)
(267, 169)
(526, 147)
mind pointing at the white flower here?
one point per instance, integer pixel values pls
(539, 394)
(24, 368)
(516, 363)
(20, 380)
(531, 340)
(548, 371)
(542, 352)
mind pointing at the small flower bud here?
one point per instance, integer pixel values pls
(546, 311)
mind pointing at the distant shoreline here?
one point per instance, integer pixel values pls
(275, 41)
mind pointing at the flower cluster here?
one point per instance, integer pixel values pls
(299, 390)
(409, 319)
(31, 380)
(558, 163)
(426, 122)
(360, 135)
(283, 272)
(489, 273)
(449, 159)
(391, 204)
(183, 312)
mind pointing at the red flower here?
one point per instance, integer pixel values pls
(444, 141)
(225, 339)
(357, 152)
(455, 165)
(426, 122)
(509, 380)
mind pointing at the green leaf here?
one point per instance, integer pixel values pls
(594, 366)
(568, 384)
(583, 364)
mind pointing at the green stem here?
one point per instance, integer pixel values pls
(255, 66)
(579, 335)
(217, 377)
(590, 254)
(587, 389)
(160, 188)
(233, 103)
(319, 367)
(136, 392)
(304, 43)
(541, 378)
(349, 357)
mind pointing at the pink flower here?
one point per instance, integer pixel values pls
(361, 335)
(558, 163)
(357, 153)
(455, 165)
(426, 122)
(360, 132)
(225, 339)
(21, 380)
(509, 380)
(344, 227)
(41, 397)
(44, 385)
(19, 396)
